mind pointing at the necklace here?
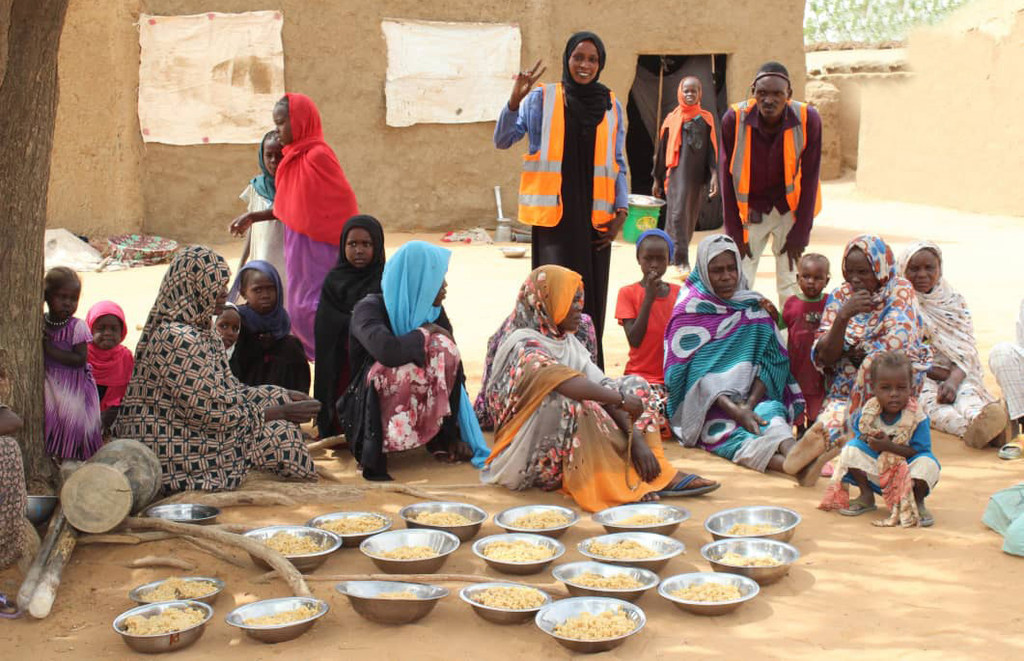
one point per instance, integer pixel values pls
(55, 324)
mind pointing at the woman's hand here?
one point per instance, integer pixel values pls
(713, 185)
(297, 412)
(632, 405)
(860, 302)
(644, 461)
(947, 392)
(434, 329)
(297, 396)
(749, 420)
(606, 235)
(241, 224)
(525, 80)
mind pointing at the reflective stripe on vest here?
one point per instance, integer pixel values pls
(540, 185)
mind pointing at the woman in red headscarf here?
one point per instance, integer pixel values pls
(313, 201)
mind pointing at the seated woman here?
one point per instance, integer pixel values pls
(408, 383)
(730, 390)
(953, 396)
(207, 427)
(357, 273)
(1006, 360)
(13, 498)
(560, 422)
(266, 353)
(874, 310)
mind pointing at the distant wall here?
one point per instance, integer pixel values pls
(424, 177)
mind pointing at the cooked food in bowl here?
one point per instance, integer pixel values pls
(167, 621)
(639, 520)
(303, 612)
(510, 598)
(177, 588)
(737, 560)
(540, 520)
(408, 553)
(352, 525)
(624, 549)
(708, 592)
(404, 594)
(449, 519)
(286, 543)
(621, 581)
(753, 529)
(609, 624)
(517, 551)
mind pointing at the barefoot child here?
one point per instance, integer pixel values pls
(644, 308)
(72, 407)
(802, 315)
(229, 325)
(111, 362)
(891, 452)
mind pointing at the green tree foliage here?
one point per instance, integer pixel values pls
(870, 21)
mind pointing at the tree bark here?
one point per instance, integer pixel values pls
(28, 104)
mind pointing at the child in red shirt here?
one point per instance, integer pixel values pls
(802, 315)
(644, 308)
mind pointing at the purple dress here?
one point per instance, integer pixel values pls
(306, 263)
(72, 409)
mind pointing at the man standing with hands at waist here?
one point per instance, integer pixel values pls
(768, 168)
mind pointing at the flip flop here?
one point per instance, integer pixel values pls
(8, 609)
(1011, 451)
(856, 509)
(680, 490)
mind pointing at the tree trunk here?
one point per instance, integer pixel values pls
(28, 106)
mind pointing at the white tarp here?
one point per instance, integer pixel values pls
(448, 73)
(209, 78)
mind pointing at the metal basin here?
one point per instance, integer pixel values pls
(554, 614)
(501, 615)
(185, 513)
(162, 642)
(671, 516)
(304, 562)
(785, 554)
(39, 508)
(276, 633)
(786, 520)
(748, 589)
(138, 595)
(350, 539)
(443, 543)
(520, 568)
(504, 519)
(666, 548)
(568, 573)
(365, 600)
(465, 533)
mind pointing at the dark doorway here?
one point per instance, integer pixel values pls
(645, 116)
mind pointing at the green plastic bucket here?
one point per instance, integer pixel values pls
(643, 216)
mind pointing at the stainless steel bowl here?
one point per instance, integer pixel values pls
(670, 515)
(786, 520)
(666, 548)
(504, 519)
(554, 614)
(444, 543)
(39, 508)
(365, 600)
(351, 539)
(785, 554)
(748, 589)
(185, 513)
(568, 572)
(162, 642)
(501, 615)
(464, 533)
(138, 595)
(532, 567)
(276, 633)
(328, 541)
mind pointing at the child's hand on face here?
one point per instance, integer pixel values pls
(652, 284)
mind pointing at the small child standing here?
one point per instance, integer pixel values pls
(801, 313)
(229, 325)
(111, 361)
(644, 308)
(890, 453)
(72, 406)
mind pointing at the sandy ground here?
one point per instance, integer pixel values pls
(857, 590)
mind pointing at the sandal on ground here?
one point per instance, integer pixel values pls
(989, 424)
(1011, 451)
(8, 609)
(679, 489)
(857, 508)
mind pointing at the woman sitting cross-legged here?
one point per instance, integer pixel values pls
(560, 422)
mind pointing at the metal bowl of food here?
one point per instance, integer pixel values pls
(597, 579)
(304, 561)
(547, 520)
(764, 521)
(738, 556)
(642, 517)
(460, 519)
(556, 615)
(39, 508)
(392, 602)
(405, 548)
(526, 559)
(159, 615)
(708, 593)
(506, 612)
(184, 513)
(278, 620)
(632, 549)
(179, 588)
(351, 527)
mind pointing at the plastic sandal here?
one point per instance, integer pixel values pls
(680, 490)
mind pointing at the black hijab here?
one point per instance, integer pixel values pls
(344, 286)
(588, 102)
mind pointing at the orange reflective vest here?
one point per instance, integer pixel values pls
(540, 186)
(793, 146)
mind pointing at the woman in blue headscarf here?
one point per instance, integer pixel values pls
(408, 386)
